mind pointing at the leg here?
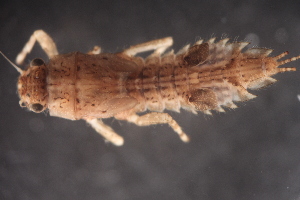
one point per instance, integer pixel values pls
(95, 50)
(156, 55)
(148, 46)
(106, 131)
(158, 118)
(44, 40)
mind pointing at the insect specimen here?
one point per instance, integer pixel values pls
(206, 76)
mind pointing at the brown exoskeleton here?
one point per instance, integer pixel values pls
(203, 77)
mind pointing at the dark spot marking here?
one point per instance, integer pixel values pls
(197, 54)
(203, 99)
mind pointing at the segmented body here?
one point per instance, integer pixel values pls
(204, 77)
(220, 76)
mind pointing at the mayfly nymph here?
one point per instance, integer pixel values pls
(206, 76)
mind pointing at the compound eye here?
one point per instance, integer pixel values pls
(22, 104)
(37, 107)
(37, 62)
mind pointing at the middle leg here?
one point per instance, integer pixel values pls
(157, 118)
(161, 44)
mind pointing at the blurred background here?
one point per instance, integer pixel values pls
(252, 152)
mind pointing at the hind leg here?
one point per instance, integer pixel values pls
(44, 40)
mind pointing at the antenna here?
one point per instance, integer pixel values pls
(15, 66)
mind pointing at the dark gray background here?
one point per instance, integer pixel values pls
(250, 153)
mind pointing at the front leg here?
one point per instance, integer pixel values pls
(106, 131)
(44, 40)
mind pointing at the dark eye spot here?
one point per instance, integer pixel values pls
(37, 62)
(37, 107)
(22, 104)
